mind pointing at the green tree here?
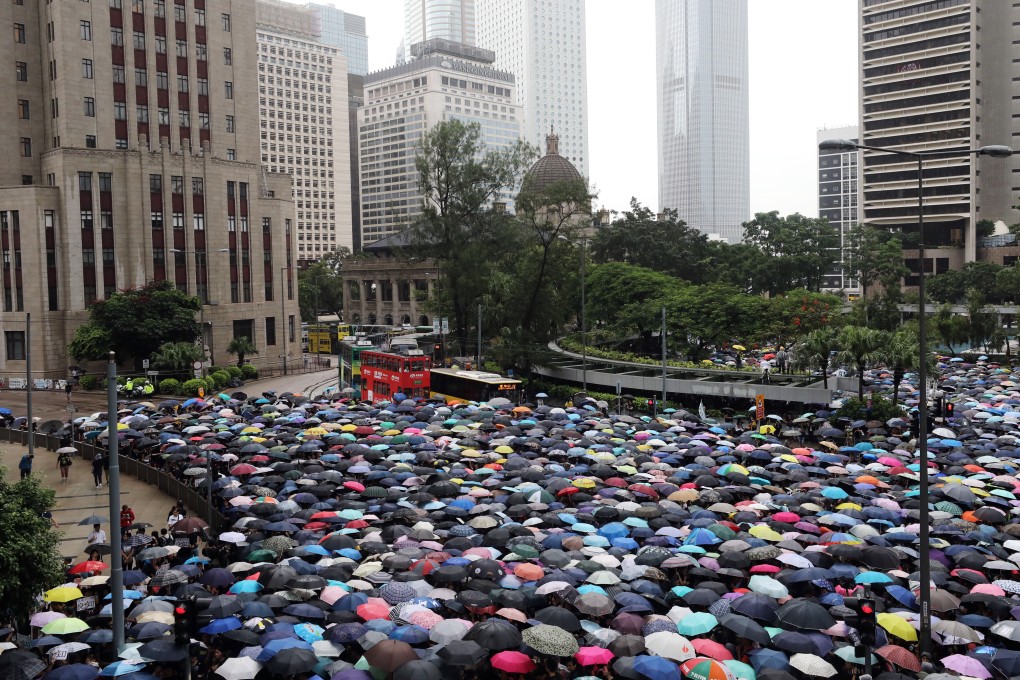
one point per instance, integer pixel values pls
(699, 317)
(982, 276)
(875, 256)
(815, 350)
(30, 560)
(461, 181)
(859, 346)
(949, 287)
(952, 328)
(984, 228)
(899, 352)
(322, 284)
(176, 357)
(982, 325)
(241, 346)
(799, 312)
(660, 242)
(136, 322)
(796, 251)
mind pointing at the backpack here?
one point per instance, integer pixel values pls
(64, 460)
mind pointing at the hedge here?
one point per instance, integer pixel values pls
(169, 386)
(234, 372)
(249, 372)
(190, 388)
(89, 382)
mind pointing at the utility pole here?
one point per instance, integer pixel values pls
(479, 358)
(116, 551)
(30, 423)
(663, 334)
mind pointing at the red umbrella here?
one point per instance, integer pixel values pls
(243, 469)
(374, 610)
(513, 662)
(711, 649)
(899, 656)
(88, 565)
(593, 656)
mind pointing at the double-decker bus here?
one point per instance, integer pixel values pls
(385, 374)
(323, 338)
(457, 386)
(350, 356)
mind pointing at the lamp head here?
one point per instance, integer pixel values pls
(838, 145)
(996, 151)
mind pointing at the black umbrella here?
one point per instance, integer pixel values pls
(560, 617)
(463, 653)
(418, 670)
(495, 634)
(163, 650)
(746, 628)
(805, 614)
(291, 661)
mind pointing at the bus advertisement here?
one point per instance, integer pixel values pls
(457, 386)
(385, 374)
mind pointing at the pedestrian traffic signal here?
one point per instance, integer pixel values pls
(182, 623)
(864, 617)
(949, 409)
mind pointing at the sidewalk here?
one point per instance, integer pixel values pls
(78, 497)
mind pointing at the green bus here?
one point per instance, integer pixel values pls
(350, 357)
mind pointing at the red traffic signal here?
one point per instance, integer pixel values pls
(867, 608)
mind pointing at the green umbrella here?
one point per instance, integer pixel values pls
(849, 655)
(740, 669)
(65, 626)
(261, 556)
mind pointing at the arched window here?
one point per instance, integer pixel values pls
(371, 319)
(406, 320)
(388, 319)
(424, 321)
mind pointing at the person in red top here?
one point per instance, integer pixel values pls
(127, 518)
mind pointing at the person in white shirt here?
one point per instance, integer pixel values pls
(766, 369)
(97, 535)
(173, 519)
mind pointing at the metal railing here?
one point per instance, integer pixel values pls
(193, 498)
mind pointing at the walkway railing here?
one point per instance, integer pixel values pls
(193, 498)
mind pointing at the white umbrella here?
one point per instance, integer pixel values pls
(239, 668)
(670, 646)
(810, 664)
(232, 537)
(62, 651)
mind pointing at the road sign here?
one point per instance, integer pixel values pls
(197, 365)
(152, 374)
(145, 363)
(759, 406)
(71, 408)
(201, 391)
(446, 326)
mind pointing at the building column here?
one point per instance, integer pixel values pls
(412, 303)
(378, 301)
(363, 302)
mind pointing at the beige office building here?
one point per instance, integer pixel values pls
(134, 157)
(304, 123)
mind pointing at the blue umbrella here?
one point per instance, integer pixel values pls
(74, 671)
(221, 625)
(656, 668)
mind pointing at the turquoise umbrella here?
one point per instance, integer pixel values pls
(696, 624)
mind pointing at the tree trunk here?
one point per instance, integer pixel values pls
(860, 380)
(897, 379)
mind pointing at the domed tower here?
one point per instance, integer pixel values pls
(570, 205)
(550, 168)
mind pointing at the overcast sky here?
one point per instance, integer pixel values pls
(803, 76)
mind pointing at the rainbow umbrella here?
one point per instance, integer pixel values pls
(700, 668)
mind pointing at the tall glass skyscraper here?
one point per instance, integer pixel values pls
(346, 31)
(702, 94)
(452, 20)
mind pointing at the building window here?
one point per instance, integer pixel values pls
(161, 44)
(230, 123)
(15, 345)
(19, 33)
(228, 89)
(199, 17)
(156, 220)
(105, 219)
(139, 40)
(185, 118)
(156, 184)
(203, 121)
(231, 154)
(105, 181)
(117, 37)
(26, 147)
(226, 22)
(164, 116)
(142, 114)
(120, 110)
(178, 220)
(23, 109)
(118, 73)
(160, 8)
(203, 87)
(176, 184)
(197, 186)
(201, 51)
(179, 13)
(21, 69)
(115, 4)
(162, 80)
(86, 219)
(198, 221)
(86, 69)
(88, 256)
(270, 330)
(90, 141)
(85, 28)
(228, 56)
(182, 48)
(141, 77)
(182, 83)
(90, 107)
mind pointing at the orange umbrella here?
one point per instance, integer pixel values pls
(529, 572)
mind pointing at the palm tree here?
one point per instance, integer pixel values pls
(814, 350)
(859, 346)
(241, 346)
(899, 352)
(176, 357)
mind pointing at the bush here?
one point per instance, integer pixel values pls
(249, 372)
(881, 409)
(216, 369)
(190, 388)
(220, 379)
(169, 386)
(89, 382)
(235, 372)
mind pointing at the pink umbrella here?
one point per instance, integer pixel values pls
(40, 619)
(790, 517)
(331, 594)
(989, 589)
(425, 618)
(593, 656)
(965, 665)
(711, 649)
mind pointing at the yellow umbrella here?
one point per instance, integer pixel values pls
(156, 617)
(316, 431)
(62, 594)
(765, 533)
(349, 427)
(767, 429)
(584, 483)
(503, 449)
(848, 506)
(683, 496)
(898, 626)
(740, 348)
(251, 429)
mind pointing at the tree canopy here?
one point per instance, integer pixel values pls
(136, 322)
(30, 560)
(322, 284)
(796, 251)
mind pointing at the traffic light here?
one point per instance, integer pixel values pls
(949, 409)
(182, 623)
(864, 618)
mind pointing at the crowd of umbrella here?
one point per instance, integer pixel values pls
(419, 541)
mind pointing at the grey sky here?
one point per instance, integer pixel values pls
(803, 73)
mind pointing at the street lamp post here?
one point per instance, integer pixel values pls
(924, 567)
(584, 332)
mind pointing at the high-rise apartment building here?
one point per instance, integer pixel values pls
(134, 157)
(303, 113)
(444, 81)
(838, 203)
(452, 20)
(702, 93)
(542, 42)
(938, 76)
